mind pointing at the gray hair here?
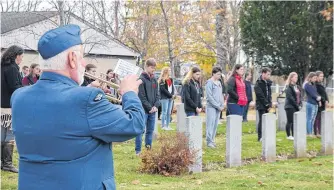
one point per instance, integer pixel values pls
(59, 61)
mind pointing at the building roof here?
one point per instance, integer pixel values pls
(14, 20)
(11, 21)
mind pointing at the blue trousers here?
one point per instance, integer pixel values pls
(191, 114)
(166, 109)
(6, 135)
(235, 109)
(150, 122)
(311, 114)
(244, 118)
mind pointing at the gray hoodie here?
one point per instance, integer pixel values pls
(214, 94)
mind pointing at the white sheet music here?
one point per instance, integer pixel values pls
(124, 68)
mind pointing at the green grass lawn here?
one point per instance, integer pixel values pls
(306, 173)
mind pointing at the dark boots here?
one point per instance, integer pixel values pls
(7, 157)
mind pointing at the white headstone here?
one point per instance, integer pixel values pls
(327, 132)
(194, 133)
(277, 88)
(233, 140)
(180, 118)
(281, 114)
(156, 132)
(269, 137)
(299, 132)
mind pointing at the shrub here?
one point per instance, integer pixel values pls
(170, 156)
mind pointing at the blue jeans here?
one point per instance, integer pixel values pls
(212, 118)
(244, 118)
(6, 135)
(166, 109)
(150, 122)
(235, 109)
(191, 114)
(311, 113)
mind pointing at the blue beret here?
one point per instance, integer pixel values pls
(59, 39)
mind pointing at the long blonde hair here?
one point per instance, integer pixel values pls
(164, 75)
(288, 81)
(190, 75)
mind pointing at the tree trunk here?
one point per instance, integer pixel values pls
(61, 12)
(146, 33)
(170, 48)
(116, 19)
(221, 7)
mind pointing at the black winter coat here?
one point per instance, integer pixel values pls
(291, 98)
(149, 92)
(164, 93)
(324, 97)
(10, 81)
(232, 91)
(263, 98)
(191, 96)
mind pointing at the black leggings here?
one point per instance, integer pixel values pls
(289, 123)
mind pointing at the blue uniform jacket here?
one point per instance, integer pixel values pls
(64, 133)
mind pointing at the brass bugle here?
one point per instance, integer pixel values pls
(108, 83)
(111, 84)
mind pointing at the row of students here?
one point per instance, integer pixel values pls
(316, 102)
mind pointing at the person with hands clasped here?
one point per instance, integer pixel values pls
(150, 99)
(236, 89)
(312, 103)
(293, 102)
(262, 90)
(214, 106)
(324, 102)
(167, 93)
(191, 92)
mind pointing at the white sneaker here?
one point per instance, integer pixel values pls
(211, 145)
(290, 138)
(169, 129)
(164, 128)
